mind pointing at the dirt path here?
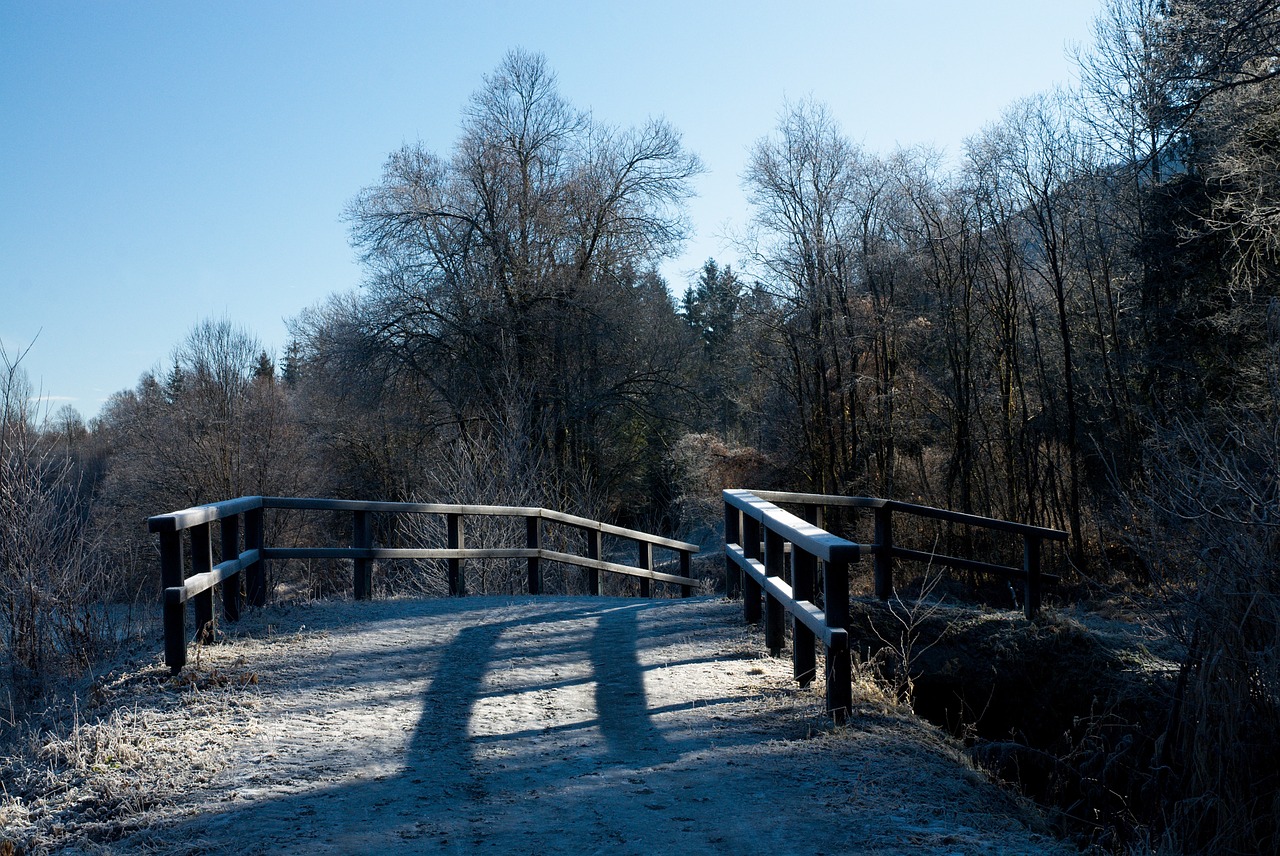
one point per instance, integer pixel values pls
(590, 725)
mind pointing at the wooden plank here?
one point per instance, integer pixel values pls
(967, 564)
(750, 585)
(315, 503)
(610, 529)
(362, 567)
(386, 553)
(804, 584)
(883, 573)
(455, 537)
(1031, 568)
(775, 627)
(202, 582)
(175, 614)
(732, 535)
(255, 571)
(230, 536)
(176, 521)
(819, 499)
(323, 504)
(389, 553)
(982, 522)
(839, 675)
(613, 567)
(594, 550)
(644, 560)
(835, 587)
(811, 539)
(533, 540)
(806, 613)
(202, 563)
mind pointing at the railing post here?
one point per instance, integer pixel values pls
(594, 539)
(815, 514)
(362, 539)
(775, 625)
(202, 562)
(533, 540)
(750, 588)
(1031, 565)
(804, 659)
(883, 568)
(732, 535)
(230, 531)
(456, 539)
(255, 576)
(839, 666)
(644, 560)
(686, 590)
(175, 613)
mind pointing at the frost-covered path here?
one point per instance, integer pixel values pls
(565, 725)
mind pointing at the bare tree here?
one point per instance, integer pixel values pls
(802, 184)
(529, 250)
(54, 586)
(218, 427)
(1206, 525)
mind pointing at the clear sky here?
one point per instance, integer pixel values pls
(165, 162)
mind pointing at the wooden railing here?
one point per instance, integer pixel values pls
(242, 551)
(758, 535)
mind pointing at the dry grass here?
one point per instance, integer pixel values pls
(87, 772)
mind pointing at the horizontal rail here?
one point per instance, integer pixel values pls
(804, 611)
(968, 564)
(177, 521)
(193, 585)
(305, 503)
(621, 532)
(390, 553)
(614, 567)
(811, 539)
(911, 508)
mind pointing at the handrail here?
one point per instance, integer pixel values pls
(758, 535)
(252, 557)
(818, 499)
(817, 541)
(886, 550)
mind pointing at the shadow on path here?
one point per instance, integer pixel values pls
(523, 720)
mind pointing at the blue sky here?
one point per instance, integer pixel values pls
(165, 162)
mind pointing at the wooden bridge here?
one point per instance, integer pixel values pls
(779, 563)
(589, 724)
(501, 724)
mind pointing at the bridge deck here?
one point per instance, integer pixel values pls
(571, 725)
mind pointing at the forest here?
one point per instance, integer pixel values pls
(1075, 323)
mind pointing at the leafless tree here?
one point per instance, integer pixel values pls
(54, 585)
(803, 184)
(529, 250)
(1206, 525)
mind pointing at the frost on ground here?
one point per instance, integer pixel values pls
(531, 725)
